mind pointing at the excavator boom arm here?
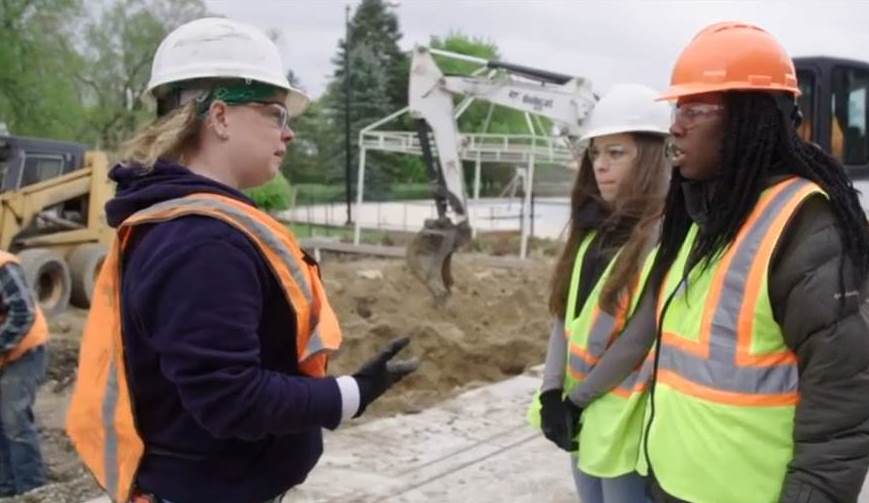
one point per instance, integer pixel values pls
(564, 100)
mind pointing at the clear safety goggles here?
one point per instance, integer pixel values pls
(689, 115)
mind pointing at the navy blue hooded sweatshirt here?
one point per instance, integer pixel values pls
(211, 354)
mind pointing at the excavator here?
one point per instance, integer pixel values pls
(52, 195)
(562, 99)
(834, 104)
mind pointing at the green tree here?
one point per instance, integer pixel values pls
(121, 42)
(315, 148)
(460, 43)
(38, 95)
(378, 79)
(370, 101)
(375, 26)
(276, 195)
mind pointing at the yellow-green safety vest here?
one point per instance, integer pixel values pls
(727, 383)
(609, 440)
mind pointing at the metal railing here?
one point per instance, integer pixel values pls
(485, 147)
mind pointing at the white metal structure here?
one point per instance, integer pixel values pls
(565, 101)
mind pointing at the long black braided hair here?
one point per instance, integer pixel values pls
(760, 141)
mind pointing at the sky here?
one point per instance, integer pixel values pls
(605, 41)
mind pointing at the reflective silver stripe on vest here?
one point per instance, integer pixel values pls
(600, 334)
(261, 231)
(110, 449)
(601, 329)
(597, 343)
(720, 370)
(315, 343)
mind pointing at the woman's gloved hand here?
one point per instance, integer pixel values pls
(572, 415)
(380, 373)
(556, 415)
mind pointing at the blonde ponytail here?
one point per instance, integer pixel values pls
(164, 138)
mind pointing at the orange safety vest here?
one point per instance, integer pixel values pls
(38, 334)
(100, 421)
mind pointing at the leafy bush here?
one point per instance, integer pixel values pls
(276, 195)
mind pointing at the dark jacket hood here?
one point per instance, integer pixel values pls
(139, 188)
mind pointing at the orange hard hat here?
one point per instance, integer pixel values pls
(732, 56)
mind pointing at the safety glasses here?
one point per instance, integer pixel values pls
(275, 111)
(689, 115)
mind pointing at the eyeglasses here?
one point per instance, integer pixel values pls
(279, 112)
(610, 153)
(690, 115)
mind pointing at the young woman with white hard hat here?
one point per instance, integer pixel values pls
(615, 209)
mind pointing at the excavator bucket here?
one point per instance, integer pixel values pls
(429, 255)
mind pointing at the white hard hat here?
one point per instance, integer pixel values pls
(628, 108)
(221, 48)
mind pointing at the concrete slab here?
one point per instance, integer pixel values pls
(476, 447)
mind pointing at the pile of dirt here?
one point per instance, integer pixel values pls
(493, 326)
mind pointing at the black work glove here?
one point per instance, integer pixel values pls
(572, 415)
(553, 419)
(380, 373)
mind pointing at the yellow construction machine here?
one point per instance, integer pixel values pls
(52, 198)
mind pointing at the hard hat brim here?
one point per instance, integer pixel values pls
(682, 90)
(297, 102)
(649, 129)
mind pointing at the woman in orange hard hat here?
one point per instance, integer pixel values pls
(761, 361)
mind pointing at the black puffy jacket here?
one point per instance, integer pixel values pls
(831, 340)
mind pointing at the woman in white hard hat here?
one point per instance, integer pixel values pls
(615, 209)
(202, 374)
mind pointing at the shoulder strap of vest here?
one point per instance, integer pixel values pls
(570, 310)
(271, 236)
(286, 258)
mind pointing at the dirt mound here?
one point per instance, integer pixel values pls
(493, 326)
